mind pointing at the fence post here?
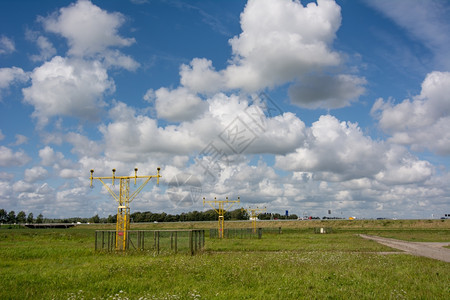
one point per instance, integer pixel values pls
(139, 240)
(157, 251)
(259, 233)
(203, 238)
(191, 246)
(96, 241)
(171, 240)
(176, 241)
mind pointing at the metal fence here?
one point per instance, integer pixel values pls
(155, 241)
(244, 233)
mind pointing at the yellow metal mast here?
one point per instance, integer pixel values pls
(221, 210)
(124, 198)
(254, 213)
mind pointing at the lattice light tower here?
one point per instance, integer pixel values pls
(224, 205)
(124, 198)
(254, 213)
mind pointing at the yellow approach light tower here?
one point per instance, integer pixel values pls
(254, 213)
(124, 198)
(224, 205)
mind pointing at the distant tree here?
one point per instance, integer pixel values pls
(30, 218)
(112, 219)
(95, 219)
(239, 214)
(40, 219)
(21, 217)
(293, 217)
(264, 216)
(3, 216)
(11, 217)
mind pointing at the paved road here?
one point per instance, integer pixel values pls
(431, 250)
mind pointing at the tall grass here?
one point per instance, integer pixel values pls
(61, 264)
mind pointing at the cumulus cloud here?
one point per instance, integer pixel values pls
(339, 152)
(83, 146)
(281, 41)
(23, 187)
(49, 156)
(9, 158)
(402, 168)
(200, 76)
(46, 49)
(88, 29)
(38, 198)
(10, 76)
(325, 91)
(424, 121)
(34, 174)
(20, 139)
(335, 151)
(67, 87)
(6, 45)
(229, 123)
(176, 105)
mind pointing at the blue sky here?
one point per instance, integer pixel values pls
(299, 106)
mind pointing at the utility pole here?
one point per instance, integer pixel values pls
(224, 205)
(124, 199)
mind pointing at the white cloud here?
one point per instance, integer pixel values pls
(325, 91)
(83, 146)
(34, 174)
(6, 45)
(88, 29)
(117, 59)
(282, 41)
(424, 122)
(9, 76)
(49, 156)
(335, 151)
(200, 76)
(20, 139)
(23, 187)
(129, 136)
(9, 158)
(46, 49)
(67, 87)
(403, 168)
(176, 105)
(37, 199)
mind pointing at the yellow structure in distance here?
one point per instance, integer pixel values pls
(123, 199)
(254, 213)
(224, 205)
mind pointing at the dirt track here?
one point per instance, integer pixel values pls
(431, 250)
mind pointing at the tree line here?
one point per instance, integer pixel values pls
(138, 217)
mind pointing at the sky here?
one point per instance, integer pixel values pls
(290, 105)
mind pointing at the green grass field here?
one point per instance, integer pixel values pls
(298, 264)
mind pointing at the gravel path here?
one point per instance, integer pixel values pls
(431, 250)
